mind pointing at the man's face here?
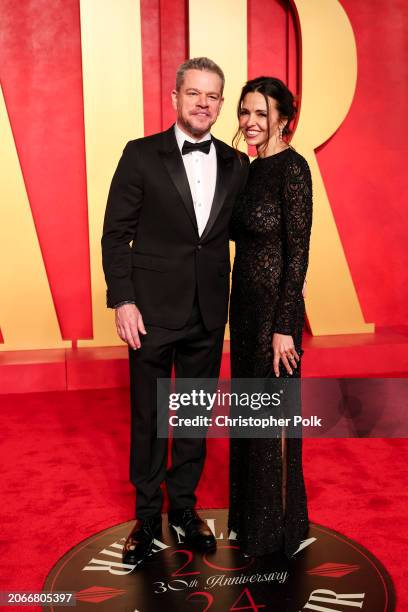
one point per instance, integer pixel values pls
(199, 101)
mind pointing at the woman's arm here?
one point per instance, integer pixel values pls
(297, 217)
(297, 220)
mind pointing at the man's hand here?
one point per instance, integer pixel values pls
(284, 349)
(129, 323)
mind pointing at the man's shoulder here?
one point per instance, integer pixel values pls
(153, 141)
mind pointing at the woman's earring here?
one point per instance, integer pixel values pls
(280, 133)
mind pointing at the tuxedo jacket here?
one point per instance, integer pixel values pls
(152, 252)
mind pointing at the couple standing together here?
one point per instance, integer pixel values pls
(176, 200)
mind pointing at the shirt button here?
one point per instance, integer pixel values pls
(198, 181)
(199, 247)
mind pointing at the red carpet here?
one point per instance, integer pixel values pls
(65, 470)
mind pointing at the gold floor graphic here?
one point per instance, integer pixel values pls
(328, 573)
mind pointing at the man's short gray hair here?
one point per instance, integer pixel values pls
(198, 63)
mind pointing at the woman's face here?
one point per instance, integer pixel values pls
(253, 119)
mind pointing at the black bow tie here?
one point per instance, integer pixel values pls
(204, 146)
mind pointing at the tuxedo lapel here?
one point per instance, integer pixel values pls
(173, 161)
(224, 171)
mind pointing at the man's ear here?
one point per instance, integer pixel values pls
(174, 96)
(220, 106)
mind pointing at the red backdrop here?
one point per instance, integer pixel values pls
(363, 164)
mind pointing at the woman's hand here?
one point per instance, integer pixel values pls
(284, 349)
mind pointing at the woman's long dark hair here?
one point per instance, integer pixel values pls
(269, 87)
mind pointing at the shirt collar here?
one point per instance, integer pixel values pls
(181, 137)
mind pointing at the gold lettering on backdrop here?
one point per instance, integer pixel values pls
(329, 74)
(113, 109)
(27, 315)
(220, 32)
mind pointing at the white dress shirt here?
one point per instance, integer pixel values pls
(201, 169)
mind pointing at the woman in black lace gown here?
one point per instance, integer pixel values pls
(271, 227)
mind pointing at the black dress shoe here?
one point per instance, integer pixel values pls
(139, 543)
(196, 533)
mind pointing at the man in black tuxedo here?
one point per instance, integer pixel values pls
(171, 197)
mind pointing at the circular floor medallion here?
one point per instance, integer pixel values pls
(329, 573)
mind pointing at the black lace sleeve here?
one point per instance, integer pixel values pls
(297, 216)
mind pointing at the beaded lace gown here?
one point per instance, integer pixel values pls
(271, 226)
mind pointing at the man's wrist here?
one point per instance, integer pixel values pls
(124, 302)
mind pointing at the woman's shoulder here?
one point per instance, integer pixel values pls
(295, 157)
(296, 163)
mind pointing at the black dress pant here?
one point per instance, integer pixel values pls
(195, 353)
